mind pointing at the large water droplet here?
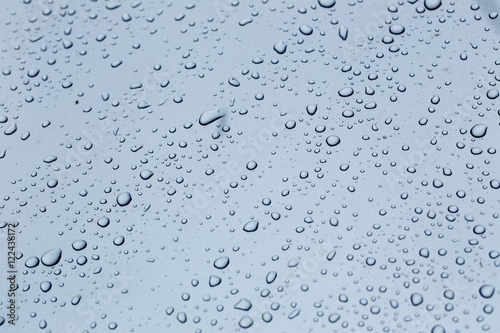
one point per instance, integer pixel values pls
(326, 3)
(479, 130)
(45, 286)
(251, 226)
(208, 117)
(146, 174)
(311, 109)
(396, 29)
(50, 159)
(252, 165)
(52, 257)
(487, 290)
(79, 245)
(244, 304)
(305, 29)
(103, 222)
(332, 140)
(214, 280)
(11, 129)
(492, 93)
(432, 4)
(343, 32)
(32, 262)
(280, 47)
(234, 82)
(221, 262)
(246, 322)
(123, 199)
(416, 299)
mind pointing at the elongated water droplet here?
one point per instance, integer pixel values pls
(343, 32)
(52, 257)
(221, 262)
(208, 117)
(346, 92)
(251, 226)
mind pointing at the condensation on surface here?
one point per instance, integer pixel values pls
(251, 166)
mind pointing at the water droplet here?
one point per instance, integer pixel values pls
(146, 174)
(326, 3)
(75, 300)
(311, 109)
(234, 82)
(432, 4)
(123, 199)
(492, 93)
(51, 183)
(271, 276)
(416, 299)
(50, 159)
(280, 47)
(487, 290)
(438, 329)
(251, 226)
(52, 257)
(246, 322)
(221, 262)
(208, 117)
(45, 286)
(214, 280)
(11, 129)
(243, 304)
(79, 245)
(119, 240)
(346, 92)
(332, 140)
(32, 262)
(305, 29)
(290, 124)
(182, 317)
(479, 130)
(343, 32)
(252, 165)
(103, 222)
(333, 318)
(396, 29)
